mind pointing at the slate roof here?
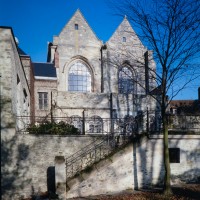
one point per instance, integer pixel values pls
(156, 91)
(44, 70)
(21, 52)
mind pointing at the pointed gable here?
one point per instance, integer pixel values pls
(78, 31)
(124, 35)
(125, 45)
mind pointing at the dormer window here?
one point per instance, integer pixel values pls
(76, 26)
(124, 39)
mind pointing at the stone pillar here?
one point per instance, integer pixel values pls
(60, 177)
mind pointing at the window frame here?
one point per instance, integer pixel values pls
(130, 89)
(43, 101)
(80, 78)
(76, 27)
(95, 125)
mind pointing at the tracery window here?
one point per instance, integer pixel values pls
(96, 124)
(126, 85)
(79, 78)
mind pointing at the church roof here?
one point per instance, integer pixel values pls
(47, 70)
(21, 52)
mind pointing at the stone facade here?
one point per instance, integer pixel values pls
(15, 90)
(28, 160)
(49, 86)
(143, 169)
(77, 43)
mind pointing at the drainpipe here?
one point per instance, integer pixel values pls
(51, 108)
(146, 57)
(102, 82)
(111, 115)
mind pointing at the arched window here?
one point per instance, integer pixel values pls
(95, 124)
(126, 85)
(79, 78)
(76, 121)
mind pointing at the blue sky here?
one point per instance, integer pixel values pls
(35, 22)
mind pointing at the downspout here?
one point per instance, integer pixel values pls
(104, 47)
(111, 115)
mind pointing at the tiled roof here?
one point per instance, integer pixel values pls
(181, 103)
(44, 70)
(186, 106)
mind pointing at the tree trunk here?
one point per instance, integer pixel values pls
(167, 185)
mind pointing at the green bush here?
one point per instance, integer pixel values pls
(60, 128)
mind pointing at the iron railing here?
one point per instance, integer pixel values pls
(184, 123)
(148, 121)
(93, 153)
(99, 126)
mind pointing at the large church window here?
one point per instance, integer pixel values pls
(79, 78)
(126, 85)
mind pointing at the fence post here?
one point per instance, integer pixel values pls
(83, 123)
(60, 177)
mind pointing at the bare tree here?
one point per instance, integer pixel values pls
(171, 29)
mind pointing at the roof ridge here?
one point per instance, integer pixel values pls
(79, 11)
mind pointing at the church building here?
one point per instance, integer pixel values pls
(85, 78)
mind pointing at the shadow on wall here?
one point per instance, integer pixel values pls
(189, 176)
(13, 169)
(144, 169)
(148, 165)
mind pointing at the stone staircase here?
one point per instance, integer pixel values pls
(93, 153)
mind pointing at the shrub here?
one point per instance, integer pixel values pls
(60, 128)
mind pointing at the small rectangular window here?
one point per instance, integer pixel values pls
(76, 26)
(174, 155)
(43, 100)
(124, 39)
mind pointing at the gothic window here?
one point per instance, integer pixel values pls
(95, 125)
(126, 85)
(43, 100)
(79, 78)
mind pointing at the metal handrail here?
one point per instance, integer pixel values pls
(91, 154)
(87, 147)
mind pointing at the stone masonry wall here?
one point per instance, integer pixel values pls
(139, 166)
(45, 86)
(15, 93)
(82, 45)
(29, 161)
